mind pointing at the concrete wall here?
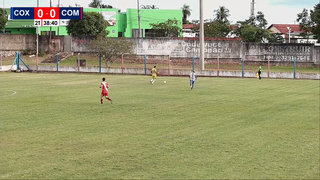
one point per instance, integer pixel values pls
(28, 42)
(279, 52)
(225, 49)
(176, 48)
(183, 48)
(18, 42)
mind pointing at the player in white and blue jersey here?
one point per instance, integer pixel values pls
(193, 78)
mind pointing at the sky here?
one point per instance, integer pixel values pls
(275, 11)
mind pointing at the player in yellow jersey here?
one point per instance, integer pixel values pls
(154, 74)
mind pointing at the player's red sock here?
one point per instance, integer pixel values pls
(101, 101)
(109, 99)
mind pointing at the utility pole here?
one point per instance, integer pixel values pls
(139, 20)
(201, 63)
(37, 55)
(4, 15)
(252, 9)
(59, 20)
(289, 30)
(50, 26)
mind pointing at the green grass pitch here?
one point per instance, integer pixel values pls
(53, 127)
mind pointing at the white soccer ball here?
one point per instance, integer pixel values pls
(164, 81)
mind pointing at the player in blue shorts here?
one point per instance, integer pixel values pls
(193, 78)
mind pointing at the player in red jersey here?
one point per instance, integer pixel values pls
(104, 93)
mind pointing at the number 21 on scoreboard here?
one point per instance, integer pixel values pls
(37, 22)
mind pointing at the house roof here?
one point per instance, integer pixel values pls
(282, 28)
(188, 26)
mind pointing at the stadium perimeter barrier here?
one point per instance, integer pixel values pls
(168, 66)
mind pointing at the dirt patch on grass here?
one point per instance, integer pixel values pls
(53, 59)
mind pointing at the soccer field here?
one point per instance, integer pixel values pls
(53, 127)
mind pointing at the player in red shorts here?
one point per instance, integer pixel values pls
(104, 93)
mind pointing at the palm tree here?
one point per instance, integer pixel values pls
(222, 14)
(186, 12)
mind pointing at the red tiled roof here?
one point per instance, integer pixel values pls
(188, 26)
(283, 28)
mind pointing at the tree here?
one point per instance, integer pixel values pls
(315, 17)
(261, 22)
(310, 23)
(98, 4)
(186, 11)
(153, 7)
(169, 28)
(276, 38)
(91, 24)
(3, 19)
(95, 4)
(222, 14)
(106, 6)
(305, 23)
(216, 29)
(251, 33)
(111, 49)
(254, 30)
(149, 7)
(195, 22)
(256, 21)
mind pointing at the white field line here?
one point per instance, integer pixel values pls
(12, 94)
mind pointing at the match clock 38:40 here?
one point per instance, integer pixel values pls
(46, 22)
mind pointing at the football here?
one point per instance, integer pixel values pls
(164, 82)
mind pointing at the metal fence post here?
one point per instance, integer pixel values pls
(193, 62)
(169, 65)
(78, 62)
(295, 67)
(18, 60)
(100, 63)
(268, 67)
(218, 66)
(122, 63)
(145, 64)
(37, 61)
(57, 57)
(243, 67)
(1, 59)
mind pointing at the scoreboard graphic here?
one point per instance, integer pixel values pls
(47, 16)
